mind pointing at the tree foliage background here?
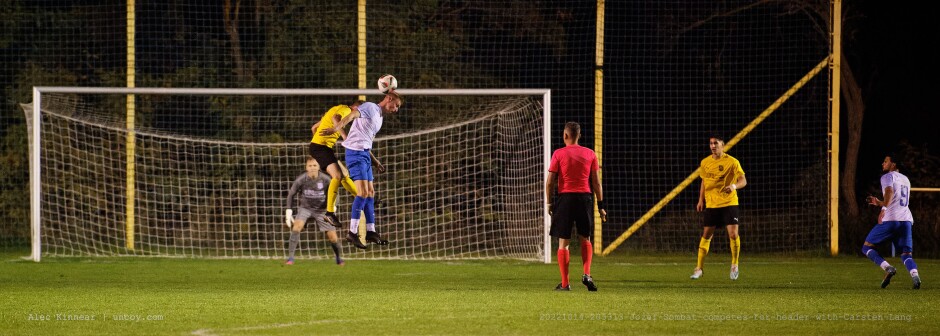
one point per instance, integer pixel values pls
(673, 70)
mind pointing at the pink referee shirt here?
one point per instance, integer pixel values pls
(574, 165)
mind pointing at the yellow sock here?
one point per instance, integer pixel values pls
(331, 194)
(349, 185)
(735, 250)
(702, 251)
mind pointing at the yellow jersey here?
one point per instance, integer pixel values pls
(327, 122)
(717, 174)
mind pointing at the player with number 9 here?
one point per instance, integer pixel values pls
(894, 222)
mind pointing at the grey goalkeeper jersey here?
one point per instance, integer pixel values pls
(312, 192)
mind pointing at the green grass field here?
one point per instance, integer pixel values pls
(638, 295)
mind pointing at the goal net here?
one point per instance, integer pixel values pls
(209, 172)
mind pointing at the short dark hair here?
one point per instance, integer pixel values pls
(573, 128)
(896, 158)
(717, 136)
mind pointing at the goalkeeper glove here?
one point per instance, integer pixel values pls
(290, 218)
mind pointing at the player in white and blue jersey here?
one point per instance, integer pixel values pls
(894, 222)
(366, 122)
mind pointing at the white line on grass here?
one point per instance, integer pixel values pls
(212, 332)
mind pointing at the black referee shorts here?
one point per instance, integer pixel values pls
(573, 210)
(324, 155)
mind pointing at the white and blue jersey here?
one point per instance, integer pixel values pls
(897, 210)
(896, 224)
(363, 130)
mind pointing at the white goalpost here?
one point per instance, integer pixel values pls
(199, 172)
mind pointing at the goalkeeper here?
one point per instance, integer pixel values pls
(311, 186)
(321, 149)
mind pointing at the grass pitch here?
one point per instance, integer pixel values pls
(638, 295)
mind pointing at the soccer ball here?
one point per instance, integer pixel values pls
(387, 82)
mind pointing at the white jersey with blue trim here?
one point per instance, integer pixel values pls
(897, 210)
(363, 130)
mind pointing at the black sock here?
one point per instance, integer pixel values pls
(336, 251)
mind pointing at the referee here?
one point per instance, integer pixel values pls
(574, 171)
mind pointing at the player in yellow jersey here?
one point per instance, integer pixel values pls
(722, 176)
(321, 149)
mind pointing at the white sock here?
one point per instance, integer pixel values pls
(354, 225)
(370, 227)
(884, 265)
(914, 272)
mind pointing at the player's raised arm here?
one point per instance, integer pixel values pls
(342, 122)
(337, 119)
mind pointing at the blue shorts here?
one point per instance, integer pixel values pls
(899, 233)
(359, 164)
